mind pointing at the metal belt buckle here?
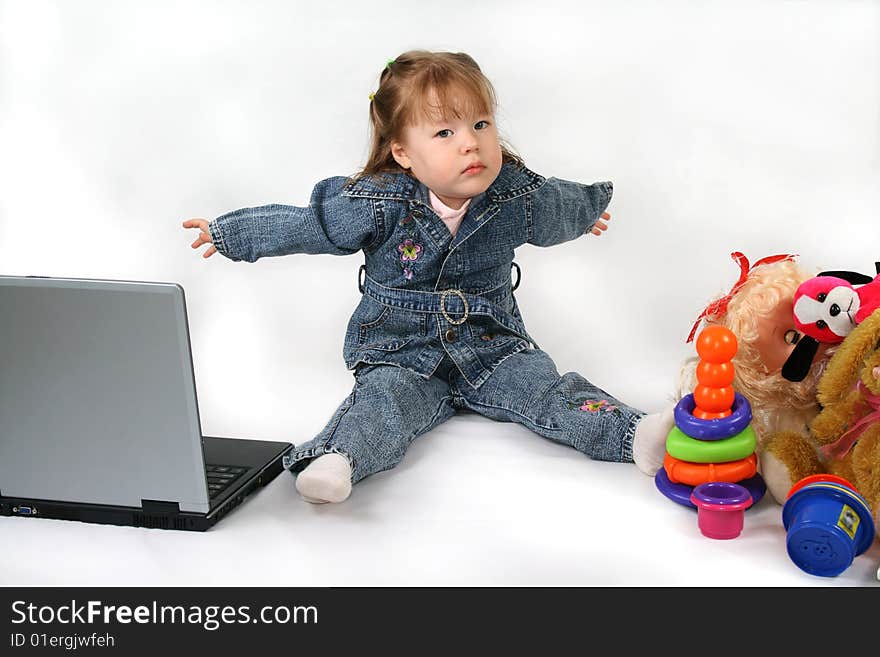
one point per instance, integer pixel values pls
(461, 296)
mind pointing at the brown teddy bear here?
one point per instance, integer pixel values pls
(844, 437)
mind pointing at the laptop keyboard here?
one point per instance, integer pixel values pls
(221, 476)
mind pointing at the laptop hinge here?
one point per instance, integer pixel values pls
(158, 506)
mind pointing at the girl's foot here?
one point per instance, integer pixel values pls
(649, 441)
(326, 479)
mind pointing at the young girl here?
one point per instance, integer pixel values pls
(438, 210)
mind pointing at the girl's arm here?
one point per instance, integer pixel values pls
(561, 210)
(331, 223)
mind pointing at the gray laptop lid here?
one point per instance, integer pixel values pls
(97, 395)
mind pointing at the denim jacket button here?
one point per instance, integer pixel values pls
(451, 335)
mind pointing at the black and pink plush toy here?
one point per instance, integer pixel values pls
(826, 308)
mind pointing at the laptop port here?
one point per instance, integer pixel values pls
(25, 510)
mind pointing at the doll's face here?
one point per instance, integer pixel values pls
(777, 336)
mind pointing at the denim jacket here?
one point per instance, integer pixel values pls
(425, 292)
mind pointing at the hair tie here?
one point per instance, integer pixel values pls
(387, 67)
(719, 306)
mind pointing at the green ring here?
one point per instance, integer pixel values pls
(685, 448)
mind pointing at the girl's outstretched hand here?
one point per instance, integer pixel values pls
(600, 226)
(204, 236)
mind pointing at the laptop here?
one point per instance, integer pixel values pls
(99, 420)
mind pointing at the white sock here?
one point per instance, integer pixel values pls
(649, 441)
(326, 479)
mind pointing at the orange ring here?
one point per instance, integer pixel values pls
(694, 474)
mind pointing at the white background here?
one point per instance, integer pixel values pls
(751, 126)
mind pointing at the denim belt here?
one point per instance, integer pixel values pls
(449, 302)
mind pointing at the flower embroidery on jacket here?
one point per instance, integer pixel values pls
(596, 406)
(409, 250)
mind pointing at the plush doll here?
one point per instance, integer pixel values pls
(759, 311)
(844, 437)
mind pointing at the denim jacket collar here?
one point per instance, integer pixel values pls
(512, 181)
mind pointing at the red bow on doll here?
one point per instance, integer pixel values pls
(719, 306)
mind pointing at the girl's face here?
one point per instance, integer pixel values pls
(456, 158)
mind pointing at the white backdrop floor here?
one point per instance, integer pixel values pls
(474, 503)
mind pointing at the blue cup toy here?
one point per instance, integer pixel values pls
(827, 525)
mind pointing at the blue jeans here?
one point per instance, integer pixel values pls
(391, 406)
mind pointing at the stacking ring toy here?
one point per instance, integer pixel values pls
(681, 493)
(710, 451)
(739, 418)
(694, 474)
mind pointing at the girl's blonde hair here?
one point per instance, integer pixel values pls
(422, 84)
(769, 393)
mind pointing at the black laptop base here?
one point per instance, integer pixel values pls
(263, 465)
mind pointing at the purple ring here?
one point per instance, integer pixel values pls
(681, 493)
(719, 429)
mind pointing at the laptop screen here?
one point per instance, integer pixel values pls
(97, 394)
